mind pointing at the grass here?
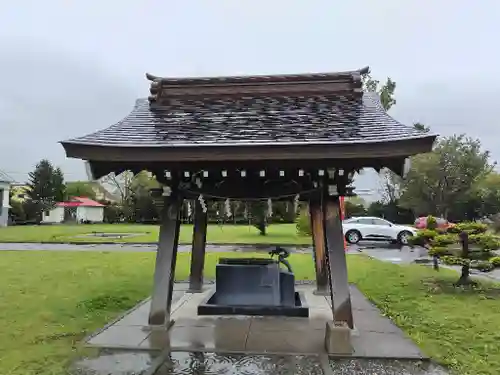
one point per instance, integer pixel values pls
(241, 234)
(50, 300)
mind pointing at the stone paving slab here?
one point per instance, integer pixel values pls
(374, 336)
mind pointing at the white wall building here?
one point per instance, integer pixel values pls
(79, 209)
(4, 202)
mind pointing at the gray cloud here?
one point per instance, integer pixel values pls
(69, 68)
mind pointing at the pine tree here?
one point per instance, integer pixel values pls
(46, 187)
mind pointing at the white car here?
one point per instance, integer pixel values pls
(374, 228)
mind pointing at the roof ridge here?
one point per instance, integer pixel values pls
(163, 88)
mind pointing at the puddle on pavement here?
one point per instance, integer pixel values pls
(196, 363)
(184, 363)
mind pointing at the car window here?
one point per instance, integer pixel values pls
(381, 222)
(365, 221)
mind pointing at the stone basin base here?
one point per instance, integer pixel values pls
(210, 307)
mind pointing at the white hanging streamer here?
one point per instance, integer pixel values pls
(189, 210)
(227, 206)
(202, 203)
(269, 207)
(245, 212)
(296, 204)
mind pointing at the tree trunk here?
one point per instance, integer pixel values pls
(261, 226)
(465, 275)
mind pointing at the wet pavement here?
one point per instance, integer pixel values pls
(197, 363)
(19, 246)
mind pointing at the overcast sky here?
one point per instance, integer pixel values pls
(68, 68)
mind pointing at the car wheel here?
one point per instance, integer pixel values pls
(353, 236)
(404, 237)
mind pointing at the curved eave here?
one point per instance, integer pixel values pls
(249, 151)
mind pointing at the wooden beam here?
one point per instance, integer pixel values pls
(198, 249)
(166, 256)
(337, 263)
(319, 248)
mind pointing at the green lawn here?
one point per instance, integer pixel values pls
(50, 300)
(241, 234)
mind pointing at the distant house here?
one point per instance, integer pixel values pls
(5, 183)
(78, 209)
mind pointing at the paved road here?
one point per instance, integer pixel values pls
(139, 248)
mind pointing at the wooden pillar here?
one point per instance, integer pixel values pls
(198, 249)
(319, 248)
(166, 256)
(337, 263)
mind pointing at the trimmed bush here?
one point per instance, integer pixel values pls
(431, 222)
(485, 242)
(495, 261)
(304, 223)
(443, 240)
(423, 237)
(454, 261)
(439, 251)
(470, 227)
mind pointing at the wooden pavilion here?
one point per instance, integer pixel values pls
(256, 137)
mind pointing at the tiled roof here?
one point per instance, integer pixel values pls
(325, 119)
(80, 202)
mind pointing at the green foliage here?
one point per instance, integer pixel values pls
(386, 91)
(469, 227)
(481, 265)
(421, 127)
(423, 237)
(80, 189)
(259, 214)
(486, 242)
(353, 209)
(439, 251)
(454, 260)
(495, 261)
(304, 223)
(46, 187)
(431, 222)
(445, 177)
(443, 240)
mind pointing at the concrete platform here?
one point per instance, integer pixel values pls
(374, 336)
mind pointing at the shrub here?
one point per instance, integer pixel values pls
(470, 227)
(431, 222)
(495, 261)
(481, 265)
(454, 261)
(423, 237)
(304, 223)
(485, 242)
(443, 240)
(439, 251)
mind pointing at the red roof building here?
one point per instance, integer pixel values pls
(80, 202)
